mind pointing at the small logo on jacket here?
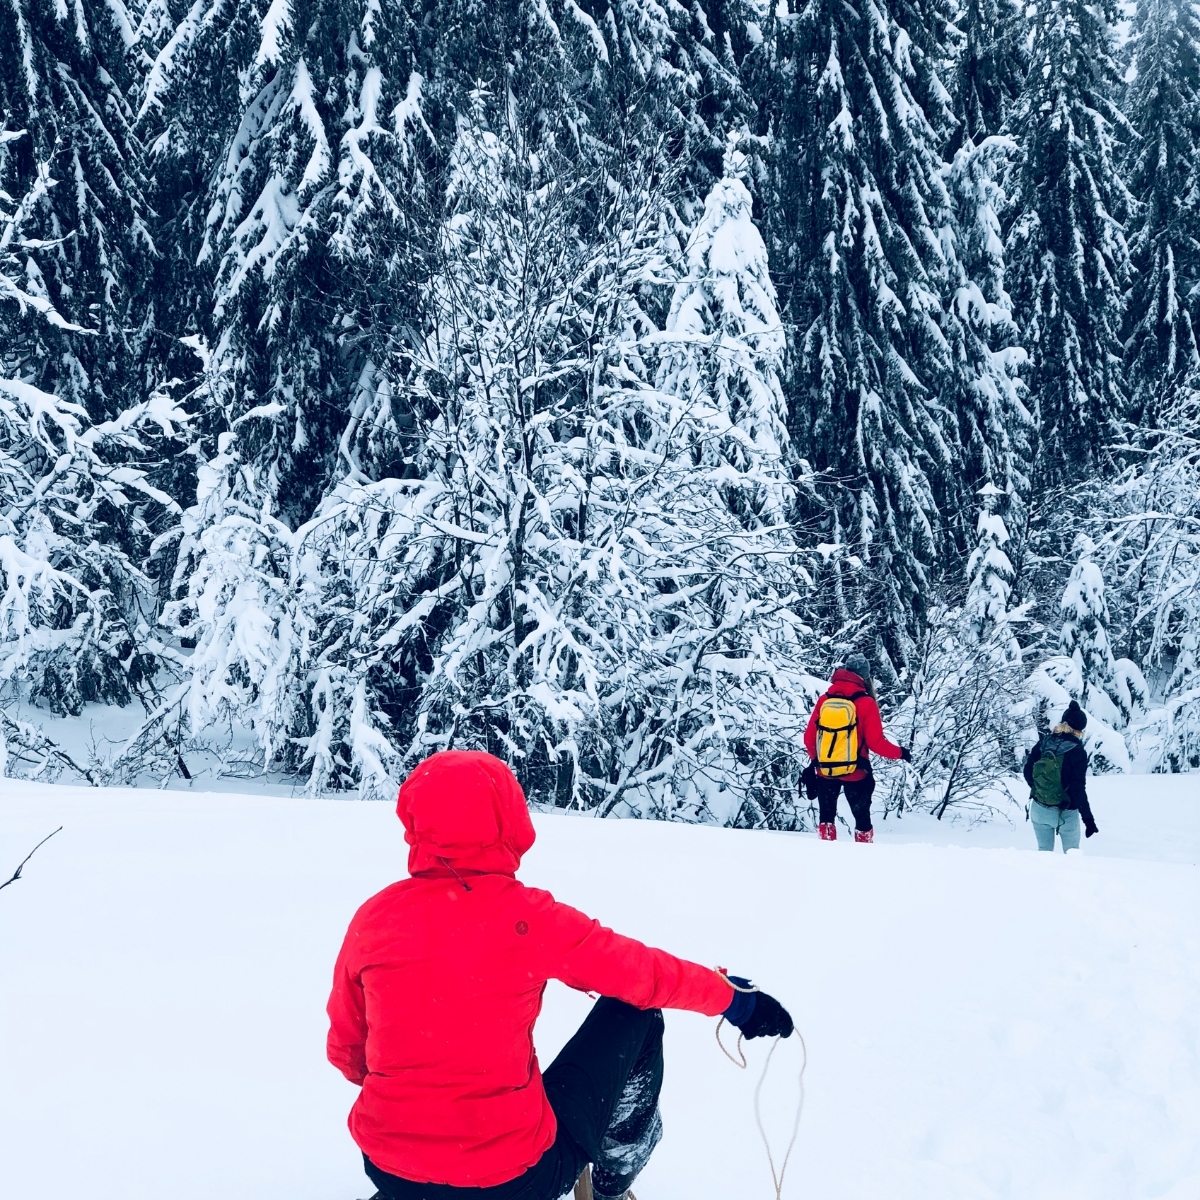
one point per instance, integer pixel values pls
(522, 927)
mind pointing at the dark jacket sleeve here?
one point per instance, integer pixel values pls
(1074, 780)
(1034, 755)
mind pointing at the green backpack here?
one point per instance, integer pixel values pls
(1047, 774)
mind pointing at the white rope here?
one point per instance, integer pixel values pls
(740, 1062)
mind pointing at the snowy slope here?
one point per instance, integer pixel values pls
(982, 1021)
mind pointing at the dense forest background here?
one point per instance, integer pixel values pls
(583, 379)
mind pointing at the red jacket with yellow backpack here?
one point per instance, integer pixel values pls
(843, 734)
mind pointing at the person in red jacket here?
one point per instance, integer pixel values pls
(436, 990)
(850, 682)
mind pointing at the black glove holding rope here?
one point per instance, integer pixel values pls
(755, 1013)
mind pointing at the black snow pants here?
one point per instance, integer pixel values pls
(858, 796)
(603, 1088)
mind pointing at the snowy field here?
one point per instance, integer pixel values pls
(982, 1021)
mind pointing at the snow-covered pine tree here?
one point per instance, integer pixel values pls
(190, 108)
(1163, 105)
(729, 349)
(988, 605)
(314, 227)
(989, 68)
(889, 327)
(78, 508)
(155, 24)
(1151, 548)
(995, 429)
(66, 81)
(86, 454)
(661, 72)
(1111, 688)
(1067, 257)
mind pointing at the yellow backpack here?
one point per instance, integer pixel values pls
(837, 736)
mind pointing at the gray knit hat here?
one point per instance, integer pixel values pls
(858, 664)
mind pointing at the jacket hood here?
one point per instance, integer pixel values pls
(463, 810)
(846, 683)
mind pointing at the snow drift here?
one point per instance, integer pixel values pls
(981, 1021)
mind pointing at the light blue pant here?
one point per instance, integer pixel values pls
(1046, 821)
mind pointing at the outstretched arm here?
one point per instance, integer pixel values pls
(870, 724)
(586, 955)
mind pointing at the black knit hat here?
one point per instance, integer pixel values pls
(1075, 717)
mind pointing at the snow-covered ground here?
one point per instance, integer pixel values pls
(982, 1021)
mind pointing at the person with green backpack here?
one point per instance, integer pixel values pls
(1056, 771)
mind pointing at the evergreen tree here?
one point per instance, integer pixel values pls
(995, 429)
(190, 106)
(315, 254)
(662, 72)
(989, 69)
(87, 440)
(892, 335)
(1066, 250)
(990, 575)
(731, 346)
(157, 22)
(1110, 688)
(67, 83)
(78, 508)
(1163, 105)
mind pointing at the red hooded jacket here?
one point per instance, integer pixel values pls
(440, 979)
(870, 725)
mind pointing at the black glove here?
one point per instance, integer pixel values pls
(756, 1014)
(808, 780)
(1089, 827)
(905, 754)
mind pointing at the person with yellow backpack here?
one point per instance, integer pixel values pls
(845, 729)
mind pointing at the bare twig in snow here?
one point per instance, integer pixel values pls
(17, 873)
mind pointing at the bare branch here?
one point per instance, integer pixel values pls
(17, 873)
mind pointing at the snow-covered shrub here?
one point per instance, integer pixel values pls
(233, 606)
(587, 568)
(1052, 686)
(961, 717)
(1112, 691)
(1111, 688)
(1151, 548)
